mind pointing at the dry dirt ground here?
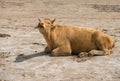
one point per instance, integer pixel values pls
(21, 46)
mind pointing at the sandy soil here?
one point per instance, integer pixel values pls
(21, 46)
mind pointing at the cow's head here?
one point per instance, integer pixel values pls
(45, 25)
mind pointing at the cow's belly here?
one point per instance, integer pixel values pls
(82, 44)
(78, 49)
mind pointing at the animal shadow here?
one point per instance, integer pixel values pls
(22, 57)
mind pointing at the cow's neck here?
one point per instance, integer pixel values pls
(49, 39)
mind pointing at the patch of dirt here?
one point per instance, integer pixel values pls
(107, 8)
(3, 80)
(38, 44)
(83, 59)
(4, 35)
(8, 4)
(4, 54)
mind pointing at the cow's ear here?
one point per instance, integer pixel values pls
(53, 20)
(39, 19)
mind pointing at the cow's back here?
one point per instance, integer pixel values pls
(81, 39)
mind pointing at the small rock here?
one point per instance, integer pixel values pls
(4, 54)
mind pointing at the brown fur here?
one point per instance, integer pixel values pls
(65, 40)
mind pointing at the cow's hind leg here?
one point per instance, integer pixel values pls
(102, 44)
(91, 53)
(96, 53)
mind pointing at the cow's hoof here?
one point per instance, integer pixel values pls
(47, 50)
(83, 54)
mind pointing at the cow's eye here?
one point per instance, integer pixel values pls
(48, 23)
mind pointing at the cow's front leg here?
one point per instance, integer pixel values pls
(61, 51)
